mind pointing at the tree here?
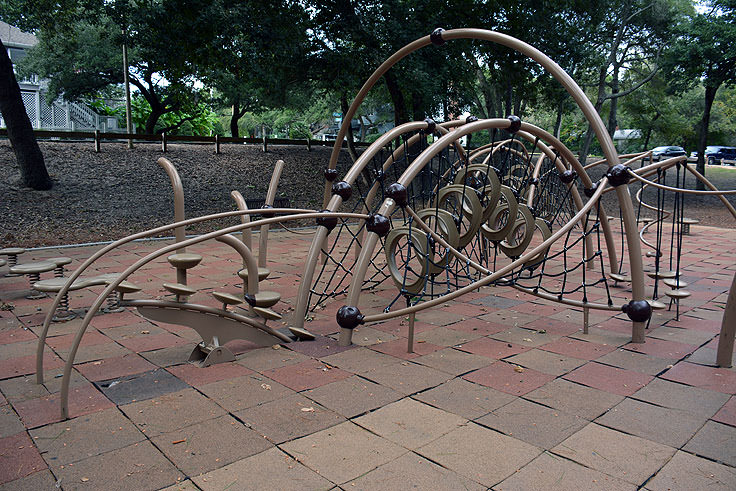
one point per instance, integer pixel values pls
(20, 132)
(706, 51)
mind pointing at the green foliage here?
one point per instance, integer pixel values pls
(199, 121)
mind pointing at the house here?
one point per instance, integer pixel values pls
(60, 114)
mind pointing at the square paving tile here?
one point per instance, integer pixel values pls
(85, 436)
(492, 348)
(550, 472)
(662, 348)
(410, 471)
(138, 466)
(196, 376)
(151, 342)
(83, 400)
(271, 469)
(465, 398)
(288, 418)
(573, 398)
(509, 378)
(410, 423)
(659, 424)
(243, 392)
(359, 360)
(171, 412)
(399, 349)
(686, 471)
(175, 355)
(9, 422)
(112, 368)
(141, 386)
(627, 457)
(609, 379)
(319, 347)
(727, 413)
(268, 358)
(210, 444)
(306, 375)
(443, 336)
(453, 361)
(711, 378)
(681, 335)
(715, 441)
(20, 457)
(533, 423)
(480, 454)
(637, 362)
(477, 326)
(525, 337)
(343, 452)
(407, 377)
(546, 362)
(38, 480)
(698, 401)
(352, 396)
(578, 349)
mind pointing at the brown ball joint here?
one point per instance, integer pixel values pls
(471, 119)
(349, 317)
(618, 175)
(327, 222)
(398, 193)
(436, 37)
(589, 192)
(250, 299)
(343, 190)
(515, 124)
(330, 174)
(568, 176)
(267, 214)
(378, 224)
(431, 125)
(637, 310)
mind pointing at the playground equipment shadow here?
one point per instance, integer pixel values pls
(502, 391)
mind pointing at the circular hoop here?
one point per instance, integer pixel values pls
(448, 231)
(471, 209)
(509, 246)
(419, 243)
(491, 229)
(490, 187)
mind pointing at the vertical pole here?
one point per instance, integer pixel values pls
(265, 144)
(126, 81)
(724, 354)
(410, 339)
(586, 319)
(309, 144)
(163, 142)
(97, 141)
(217, 144)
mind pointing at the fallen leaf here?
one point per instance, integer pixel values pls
(307, 409)
(518, 369)
(265, 386)
(176, 442)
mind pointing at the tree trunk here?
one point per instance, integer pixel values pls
(558, 122)
(234, 131)
(20, 132)
(710, 95)
(509, 100)
(401, 115)
(351, 145)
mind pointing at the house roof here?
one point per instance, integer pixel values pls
(12, 36)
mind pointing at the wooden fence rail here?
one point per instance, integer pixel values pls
(98, 137)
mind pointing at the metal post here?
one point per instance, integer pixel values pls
(126, 81)
(309, 144)
(97, 141)
(163, 142)
(217, 144)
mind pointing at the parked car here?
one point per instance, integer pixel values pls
(715, 154)
(659, 153)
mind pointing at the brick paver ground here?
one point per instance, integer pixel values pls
(503, 391)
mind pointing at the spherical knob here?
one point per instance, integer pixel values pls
(378, 224)
(343, 190)
(327, 222)
(431, 125)
(568, 176)
(398, 193)
(349, 317)
(436, 37)
(589, 192)
(330, 174)
(637, 310)
(267, 214)
(471, 119)
(515, 124)
(618, 175)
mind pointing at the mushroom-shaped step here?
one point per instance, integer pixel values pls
(674, 283)
(677, 294)
(179, 290)
(60, 261)
(262, 274)
(267, 314)
(35, 267)
(660, 275)
(12, 251)
(686, 222)
(656, 304)
(56, 284)
(2, 262)
(184, 260)
(262, 299)
(227, 298)
(127, 287)
(620, 277)
(301, 334)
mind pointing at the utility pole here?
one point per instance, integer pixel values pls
(128, 115)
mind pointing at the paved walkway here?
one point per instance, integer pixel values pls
(504, 391)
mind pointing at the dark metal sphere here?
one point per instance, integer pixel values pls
(330, 174)
(471, 119)
(589, 192)
(618, 175)
(398, 193)
(436, 37)
(343, 190)
(378, 224)
(349, 317)
(431, 125)
(515, 124)
(327, 222)
(568, 176)
(267, 214)
(637, 310)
